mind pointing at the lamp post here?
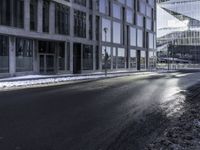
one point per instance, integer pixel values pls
(106, 54)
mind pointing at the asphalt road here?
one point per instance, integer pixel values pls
(119, 113)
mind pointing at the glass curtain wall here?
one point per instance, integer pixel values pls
(33, 15)
(79, 24)
(4, 54)
(108, 51)
(62, 15)
(133, 59)
(45, 16)
(12, 13)
(61, 56)
(142, 60)
(24, 55)
(121, 59)
(87, 57)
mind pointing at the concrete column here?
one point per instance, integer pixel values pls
(71, 56)
(66, 55)
(87, 25)
(40, 16)
(12, 55)
(27, 15)
(94, 57)
(71, 21)
(52, 18)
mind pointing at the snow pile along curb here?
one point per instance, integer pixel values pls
(183, 133)
(33, 82)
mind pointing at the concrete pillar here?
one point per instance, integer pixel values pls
(71, 21)
(71, 57)
(12, 55)
(27, 15)
(52, 18)
(87, 26)
(40, 16)
(66, 55)
(94, 57)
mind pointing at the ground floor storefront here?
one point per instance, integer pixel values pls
(22, 56)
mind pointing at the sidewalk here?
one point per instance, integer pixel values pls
(50, 80)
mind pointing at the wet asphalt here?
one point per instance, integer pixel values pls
(110, 114)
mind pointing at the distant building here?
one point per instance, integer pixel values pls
(178, 31)
(68, 36)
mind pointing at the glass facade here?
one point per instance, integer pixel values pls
(45, 16)
(116, 32)
(79, 24)
(133, 59)
(62, 15)
(12, 13)
(33, 15)
(106, 51)
(4, 54)
(106, 24)
(87, 57)
(178, 30)
(61, 56)
(24, 55)
(121, 58)
(79, 31)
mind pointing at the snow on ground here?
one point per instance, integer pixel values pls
(41, 80)
(32, 80)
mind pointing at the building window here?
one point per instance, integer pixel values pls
(140, 20)
(133, 36)
(87, 57)
(4, 54)
(12, 13)
(130, 3)
(18, 13)
(80, 2)
(45, 16)
(139, 38)
(33, 15)
(79, 24)
(116, 11)
(129, 16)
(101, 5)
(5, 13)
(121, 58)
(152, 60)
(133, 59)
(62, 15)
(106, 24)
(142, 60)
(61, 56)
(24, 55)
(116, 32)
(90, 27)
(106, 51)
(114, 58)
(150, 41)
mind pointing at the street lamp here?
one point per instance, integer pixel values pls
(106, 54)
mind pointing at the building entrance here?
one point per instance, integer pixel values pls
(47, 63)
(77, 58)
(47, 57)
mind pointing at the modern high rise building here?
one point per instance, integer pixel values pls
(178, 31)
(73, 36)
